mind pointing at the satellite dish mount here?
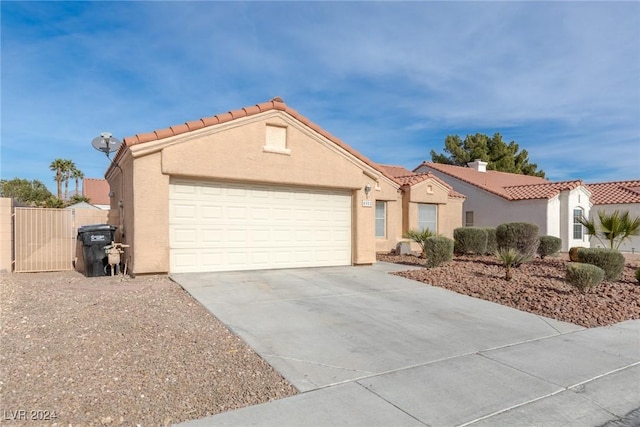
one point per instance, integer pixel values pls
(106, 143)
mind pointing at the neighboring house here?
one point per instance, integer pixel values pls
(258, 188)
(611, 196)
(427, 202)
(97, 191)
(495, 198)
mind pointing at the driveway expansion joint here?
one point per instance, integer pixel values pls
(308, 362)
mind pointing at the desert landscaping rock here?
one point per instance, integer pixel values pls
(537, 287)
(119, 351)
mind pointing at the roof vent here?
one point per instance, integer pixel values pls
(478, 165)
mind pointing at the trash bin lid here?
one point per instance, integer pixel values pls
(96, 227)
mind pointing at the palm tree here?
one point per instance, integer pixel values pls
(614, 228)
(77, 175)
(68, 167)
(58, 166)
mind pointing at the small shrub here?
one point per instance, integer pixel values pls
(573, 254)
(521, 236)
(420, 237)
(438, 250)
(610, 260)
(470, 240)
(492, 245)
(549, 246)
(638, 275)
(584, 276)
(511, 258)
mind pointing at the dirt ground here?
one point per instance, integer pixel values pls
(537, 287)
(119, 351)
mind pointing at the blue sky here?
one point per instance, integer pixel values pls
(391, 79)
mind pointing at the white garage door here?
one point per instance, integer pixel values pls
(223, 226)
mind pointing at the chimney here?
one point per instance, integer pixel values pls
(478, 165)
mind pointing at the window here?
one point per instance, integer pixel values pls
(468, 219)
(578, 229)
(427, 217)
(381, 222)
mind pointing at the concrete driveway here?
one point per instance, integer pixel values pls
(368, 348)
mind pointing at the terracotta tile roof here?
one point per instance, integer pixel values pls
(274, 104)
(612, 193)
(510, 186)
(540, 191)
(404, 177)
(397, 171)
(96, 190)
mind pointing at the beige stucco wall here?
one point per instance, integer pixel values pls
(6, 235)
(121, 212)
(235, 151)
(430, 191)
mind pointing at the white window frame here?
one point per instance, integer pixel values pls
(468, 223)
(431, 223)
(577, 225)
(381, 218)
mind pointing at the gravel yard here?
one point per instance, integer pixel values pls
(537, 287)
(119, 351)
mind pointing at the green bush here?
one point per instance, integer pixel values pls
(438, 250)
(492, 246)
(610, 260)
(573, 254)
(470, 240)
(638, 275)
(521, 236)
(549, 246)
(584, 276)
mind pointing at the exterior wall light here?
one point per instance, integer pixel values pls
(367, 189)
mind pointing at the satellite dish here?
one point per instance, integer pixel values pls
(106, 143)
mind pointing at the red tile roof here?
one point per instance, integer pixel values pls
(275, 104)
(96, 190)
(540, 191)
(612, 193)
(510, 186)
(404, 177)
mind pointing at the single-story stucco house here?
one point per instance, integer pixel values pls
(494, 198)
(263, 187)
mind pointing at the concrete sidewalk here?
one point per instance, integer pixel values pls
(368, 348)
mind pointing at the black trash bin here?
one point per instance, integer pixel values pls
(94, 238)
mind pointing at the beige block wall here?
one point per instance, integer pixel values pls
(6, 235)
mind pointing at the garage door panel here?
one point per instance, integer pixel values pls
(223, 226)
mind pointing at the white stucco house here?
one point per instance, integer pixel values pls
(495, 198)
(621, 196)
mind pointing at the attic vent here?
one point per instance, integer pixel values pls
(276, 140)
(429, 189)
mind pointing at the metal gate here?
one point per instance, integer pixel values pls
(45, 239)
